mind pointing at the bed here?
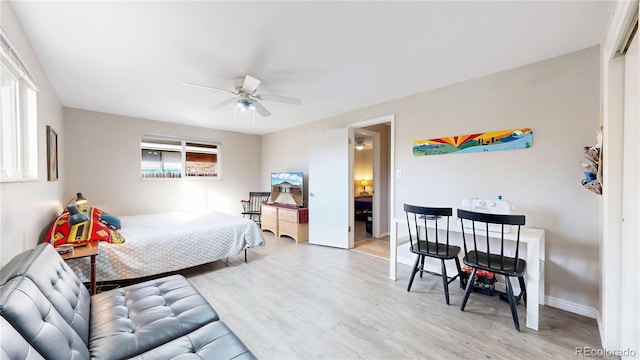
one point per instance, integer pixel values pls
(362, 207)
(160, 243)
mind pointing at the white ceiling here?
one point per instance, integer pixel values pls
(130, 58)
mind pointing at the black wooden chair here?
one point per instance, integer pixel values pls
(495, 261)
(251, 207)
(418, 217)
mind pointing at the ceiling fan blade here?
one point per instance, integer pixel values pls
(281, 99)
(221, 104)
(208, 87)
(250, 84)
(261, 109)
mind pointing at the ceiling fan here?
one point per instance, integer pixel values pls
(245, 95)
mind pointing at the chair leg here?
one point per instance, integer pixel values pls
(445, 282)
(413, 273)
(523, 290)
(467, 291)
(512, 303)
(422, 265)
(459, 271)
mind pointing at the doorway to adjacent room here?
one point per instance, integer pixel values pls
(371, 181)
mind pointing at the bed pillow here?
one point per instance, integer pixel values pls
(61, 232)
(111, 220)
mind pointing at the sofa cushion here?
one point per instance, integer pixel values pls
(212, 341)
(36, 319)
(131, 320)
(13, 345)
(58, 283)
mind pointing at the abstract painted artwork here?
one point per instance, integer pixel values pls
(489, 141)
(52, 154)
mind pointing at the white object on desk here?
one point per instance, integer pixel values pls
(502, 207)
(535, 256)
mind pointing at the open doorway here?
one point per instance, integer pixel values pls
(372, 188)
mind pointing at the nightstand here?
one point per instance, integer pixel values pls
(90, 249)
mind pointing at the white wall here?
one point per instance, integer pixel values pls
(26, 208)
(103, 162)
(385, 158)
(558, 99)
(362, 168)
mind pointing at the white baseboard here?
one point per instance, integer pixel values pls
(406, 260)
(600, 327)
(571, 307)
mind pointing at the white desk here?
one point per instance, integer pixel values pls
(531, 237)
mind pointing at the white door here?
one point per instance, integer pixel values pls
(329, 188)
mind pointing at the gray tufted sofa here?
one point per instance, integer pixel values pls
(47, 313)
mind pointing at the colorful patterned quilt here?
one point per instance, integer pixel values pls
(62, 232)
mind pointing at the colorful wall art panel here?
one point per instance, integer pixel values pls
(489, 141)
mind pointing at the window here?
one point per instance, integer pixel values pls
(167, 157)
(18, 117)
(201, 159)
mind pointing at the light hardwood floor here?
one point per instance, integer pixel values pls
(365, 243)
(312, 302)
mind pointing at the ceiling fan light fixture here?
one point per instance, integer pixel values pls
(245, 105)
(245, 96)
(359, 147)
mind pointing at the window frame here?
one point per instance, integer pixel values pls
(183, 149)
(24, 123)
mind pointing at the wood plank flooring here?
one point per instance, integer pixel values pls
(375, 247)
(312, 302)
(365, 243)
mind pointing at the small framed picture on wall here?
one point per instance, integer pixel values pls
(52, 154)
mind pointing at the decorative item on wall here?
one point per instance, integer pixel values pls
(593, 167)
(591, 181)
(52, 154)
(592, 170)
(490, 141)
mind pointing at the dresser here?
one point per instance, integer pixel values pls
(286, 221)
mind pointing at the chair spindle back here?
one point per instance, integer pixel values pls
(419, 215)
(485, 219)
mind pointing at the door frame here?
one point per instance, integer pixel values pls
(375, 178)
(390, 119)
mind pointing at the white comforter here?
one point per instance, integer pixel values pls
(161, 243)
